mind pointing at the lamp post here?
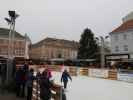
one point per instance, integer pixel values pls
(102, 50)
(11, 22)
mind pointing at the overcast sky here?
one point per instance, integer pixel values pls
(65, 18)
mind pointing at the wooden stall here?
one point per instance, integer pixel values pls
(112, 74)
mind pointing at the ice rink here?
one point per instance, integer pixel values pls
(88, 88)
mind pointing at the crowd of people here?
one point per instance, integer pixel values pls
(25, 76)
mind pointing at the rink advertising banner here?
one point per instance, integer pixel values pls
(126, 76)
(83, 71)
(102, 73)
(73, 71)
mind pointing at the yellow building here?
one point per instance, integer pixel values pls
(50, 48)
(20, 45)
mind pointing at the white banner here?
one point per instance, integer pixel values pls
(125, 77)
(102, 73)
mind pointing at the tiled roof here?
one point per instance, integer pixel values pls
(4, 33)
(125, 26)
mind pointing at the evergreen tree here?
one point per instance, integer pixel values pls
(88, 48)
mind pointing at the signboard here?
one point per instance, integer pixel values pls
(102, 73)
(118, 57)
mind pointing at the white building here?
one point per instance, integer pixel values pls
(122, 37)
(128, 17)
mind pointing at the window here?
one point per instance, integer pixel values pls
(59, 56)
(125, 47)
(117, 49)
(125, 37)
(116, 37)
(19, 52)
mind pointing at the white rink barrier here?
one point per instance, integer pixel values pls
(100, 73)
(125, 75)
(113, 74)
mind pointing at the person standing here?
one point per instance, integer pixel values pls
(64, 78)
(38, 76)
(23, 81)
(3, 76)
(26, 67)
(49, 73)
(45, 86)
(30, 78)
(18, 81)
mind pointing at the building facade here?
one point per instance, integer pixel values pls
(51, 48)
(122, 37)
(18, 48)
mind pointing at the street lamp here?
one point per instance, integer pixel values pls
(9, 41)
(11, 22)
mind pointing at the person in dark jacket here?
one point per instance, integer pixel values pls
(30, 78)
(23, 81)
(3, 76)
(45, 87)
(26, 67)
(18, 81)
(64, 78)
(38, 76)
